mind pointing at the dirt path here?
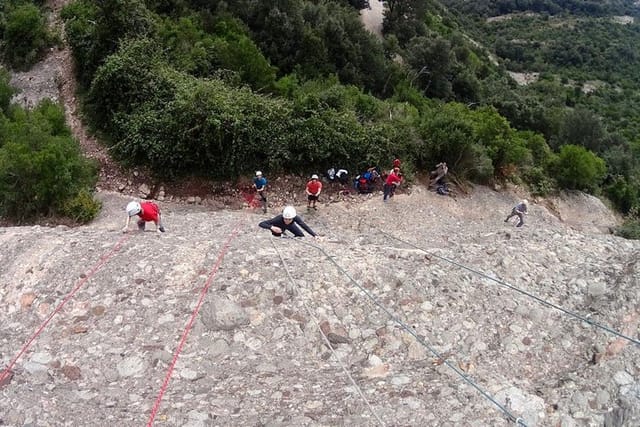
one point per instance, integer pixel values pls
(54, 78)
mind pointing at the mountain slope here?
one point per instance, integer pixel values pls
(255, 354)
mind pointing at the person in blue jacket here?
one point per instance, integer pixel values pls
(260, 184)
(287, 221)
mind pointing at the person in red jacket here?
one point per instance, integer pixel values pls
(148, 212)
(393, 181)
(313, 190)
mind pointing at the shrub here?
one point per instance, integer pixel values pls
(207, 128)
(95, 29)
(131, 77)
(80, 18)
(6, 91)
(623, 193)
(578, 168)
(82, 207)
(25, 36)
(630, 229)
(39, 170)
(539, 181)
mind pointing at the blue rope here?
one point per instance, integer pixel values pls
(410, 330)
(505, 284)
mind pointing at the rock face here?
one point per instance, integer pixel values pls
(409, 324)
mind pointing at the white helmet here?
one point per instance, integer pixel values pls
(289, 212)
(314, 176)
(525, 202)
(258, 173)
(133, 208)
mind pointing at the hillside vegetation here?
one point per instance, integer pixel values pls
(185, 86)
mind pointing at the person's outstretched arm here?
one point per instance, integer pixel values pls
(306, 228)
(126, 225)
(267, 224)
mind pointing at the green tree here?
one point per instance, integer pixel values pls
(25, 36)
(96, 29)
(583, 127)
(6, 91)
(41, 167)
(579, 169)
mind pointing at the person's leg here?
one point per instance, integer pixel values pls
(264, 202)
(511, 215)
(141, 225)
(385, 192)
(521, 219)
(159, 225)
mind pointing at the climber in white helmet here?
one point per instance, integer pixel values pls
(520, 210)
(288, 220)
(147, 212)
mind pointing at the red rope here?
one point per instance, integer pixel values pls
(250, 197)
(187, 329)
(103, 260)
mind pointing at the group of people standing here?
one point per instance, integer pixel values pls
(289, 220)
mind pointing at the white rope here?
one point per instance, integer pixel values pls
(326, 340)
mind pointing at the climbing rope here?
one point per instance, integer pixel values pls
(7, 372)
(514, 288)
(326, 340)
(518, 420)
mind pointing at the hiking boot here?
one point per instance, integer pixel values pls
(161, 229)
(520, 224)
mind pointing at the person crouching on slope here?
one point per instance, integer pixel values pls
(520, 210)
(288, 220)
(148, 212)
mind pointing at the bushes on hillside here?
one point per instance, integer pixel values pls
(577, 168)
(478, 144)
(24, 35)
(96, 29)
(206, 128)
(6, 91)
(630, 228)
(42, 171)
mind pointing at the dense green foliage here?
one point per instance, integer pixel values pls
(588, 92)
(42, 171)
(553, 7)
(630, 229)
(24, 33)
(221, 88)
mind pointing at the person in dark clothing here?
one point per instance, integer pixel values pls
(260, 184)
(438, 174)
(520, 210)
(288, 220)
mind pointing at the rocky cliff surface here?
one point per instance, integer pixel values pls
(427, 310)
